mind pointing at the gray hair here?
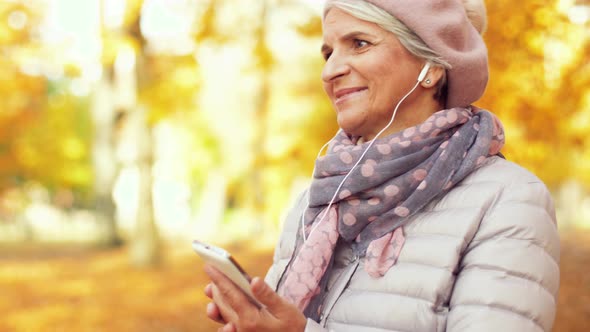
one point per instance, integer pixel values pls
(411, 41)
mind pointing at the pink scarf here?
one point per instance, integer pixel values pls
(398, 176)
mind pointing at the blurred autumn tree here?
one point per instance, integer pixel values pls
(290, 117)
(539, 86)
(43, 128)
(160, 86)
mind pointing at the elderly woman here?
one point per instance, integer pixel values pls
(413, 221)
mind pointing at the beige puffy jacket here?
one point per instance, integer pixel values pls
(484, 257)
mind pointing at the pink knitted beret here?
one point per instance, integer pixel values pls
(443, 25)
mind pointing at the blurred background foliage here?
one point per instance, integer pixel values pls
(153, 122)
(210, 113)
(167, 119)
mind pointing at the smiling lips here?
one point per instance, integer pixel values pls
(344, 94)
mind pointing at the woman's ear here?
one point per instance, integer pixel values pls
(432, 78)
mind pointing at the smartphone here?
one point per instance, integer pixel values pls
(226, 264)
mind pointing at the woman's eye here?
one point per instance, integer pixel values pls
(359, 43)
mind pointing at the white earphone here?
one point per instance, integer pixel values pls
(423, 73)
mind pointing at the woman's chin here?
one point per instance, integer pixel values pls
(350, 127)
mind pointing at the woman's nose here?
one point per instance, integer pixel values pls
(336, 66)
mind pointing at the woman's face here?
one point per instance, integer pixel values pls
(367, 72)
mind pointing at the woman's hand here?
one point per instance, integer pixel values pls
(232, 307)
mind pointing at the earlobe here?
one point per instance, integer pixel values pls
(433, 76)
(427, 83)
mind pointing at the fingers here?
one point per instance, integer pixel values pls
(229, 327)
(286, 314)
(230, 294)
(226, 311)
(234, 306)
(212, 310)
(266, 295)
(209, 290)
(214, 314)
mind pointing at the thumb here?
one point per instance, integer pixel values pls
(266, 295)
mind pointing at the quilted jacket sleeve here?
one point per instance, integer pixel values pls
(509, 276)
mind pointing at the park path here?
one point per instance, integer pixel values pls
(73, 289)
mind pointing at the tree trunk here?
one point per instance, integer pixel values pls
(145, 242)
(263, 57)
(104, 161)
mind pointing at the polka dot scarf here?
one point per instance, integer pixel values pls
(397, 177)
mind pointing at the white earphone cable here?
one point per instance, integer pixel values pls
(355, 165)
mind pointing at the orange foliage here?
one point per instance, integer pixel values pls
(83, 290)
(539, 77)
